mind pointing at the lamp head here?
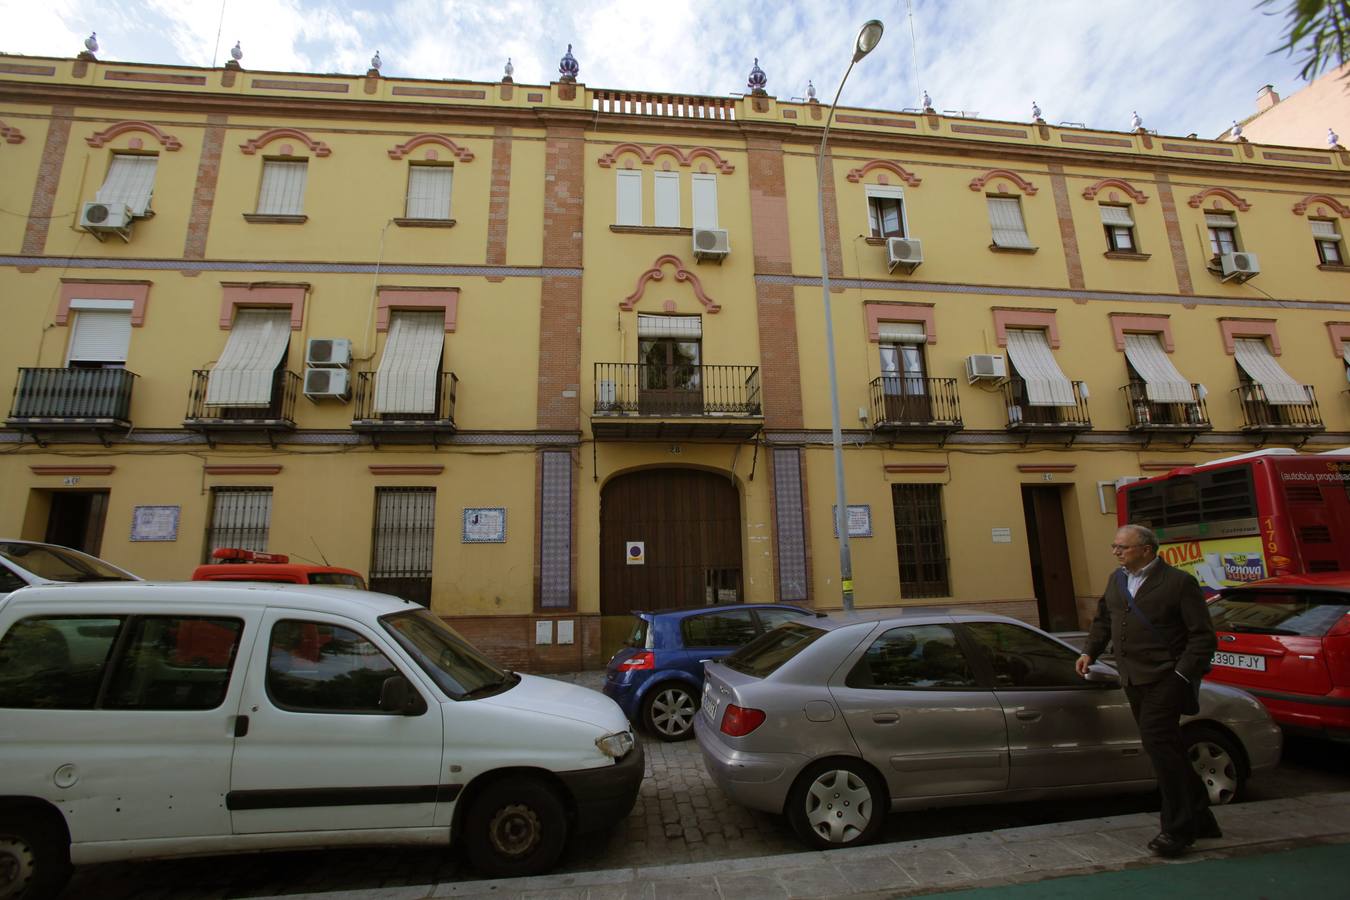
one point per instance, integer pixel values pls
(868, 37)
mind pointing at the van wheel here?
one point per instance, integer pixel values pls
(1218, 763)
(837, 803)
(34, 856)
(516, 827)
(669, 712)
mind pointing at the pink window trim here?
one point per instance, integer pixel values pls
(893, 312)
(290, 296)
(445, 299)
(1024, 318)
(1145, 324)
(138, 292)
(1340, 331)
(1232, 329)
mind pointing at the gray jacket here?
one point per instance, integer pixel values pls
(1182, 636)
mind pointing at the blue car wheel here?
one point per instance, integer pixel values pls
(669, 712)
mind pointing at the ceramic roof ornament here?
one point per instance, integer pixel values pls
(1237, 130)
(927, 102)
(757, 79)
(508, 71)
(568, 66)
(236, 52)
(376, 62)
(1136, 123)
(1333, 139)
(810, 92)
(1035, 111)
(91, 42)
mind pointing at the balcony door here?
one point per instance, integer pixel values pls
(904, 383)
(671, 381)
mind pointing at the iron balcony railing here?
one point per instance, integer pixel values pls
(642, 389)
(441, 417)
(279, 413)
(1260, 414)
(73, 396)
(904, 401)
(1023, 415)
(1150, 415)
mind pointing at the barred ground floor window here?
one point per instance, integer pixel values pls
(403, 543)
(921, 540)
(240, 517)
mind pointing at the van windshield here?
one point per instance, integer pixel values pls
(457, 667)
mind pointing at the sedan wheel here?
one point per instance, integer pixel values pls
(1217, 763)
(670, 712)
(837, 804)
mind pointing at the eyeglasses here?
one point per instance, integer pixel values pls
(1115, 547)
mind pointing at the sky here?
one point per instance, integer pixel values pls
(1185, 65)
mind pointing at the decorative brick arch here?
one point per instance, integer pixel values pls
(909, 178)
(1301, 206)
(1138, 196)
(681, 274)
(402, 150)
(100, 138)
(10, 134)
(253, 145)
(1196, 200)
(648, 157)
(1026, 187)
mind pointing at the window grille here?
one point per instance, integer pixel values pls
(921, 540)
(239, 518)
(403, 543)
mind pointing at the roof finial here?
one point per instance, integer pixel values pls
(927, 102)
(1237, 130)
(757, 80)
(376, 62)
(1035, 111)
(91, 42)
(568, 67)
(1136, 123)
(508, 71)
(1333, 139)
(810, 92)
(236, 52)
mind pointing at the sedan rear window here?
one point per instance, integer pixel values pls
(1303, 613)
(762, 656)
(61, 564)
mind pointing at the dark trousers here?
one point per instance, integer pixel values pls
(1157, 710)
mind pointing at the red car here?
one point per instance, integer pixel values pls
(1287, 641)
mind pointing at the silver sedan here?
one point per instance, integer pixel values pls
(834, 722)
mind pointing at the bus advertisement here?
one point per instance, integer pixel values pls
(1248, 517)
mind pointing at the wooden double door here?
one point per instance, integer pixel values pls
(687, 525)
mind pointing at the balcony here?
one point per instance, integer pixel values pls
(213, 420)
(905, 404)
(72, 400)
(640, 401)
(405, 427)
(1262, 417)
(1152, 418)
(1028, 419)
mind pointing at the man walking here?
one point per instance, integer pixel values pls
(1155, 617)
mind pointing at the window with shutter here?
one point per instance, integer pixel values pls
(99, 339)
(283, 188)
(1005, 219)
(429, 191)
(667, 199)
(245, 375)
(131, 181)
(704, 189)
(1328, 241)
(1222, 233)
(628, 187)
(409, 373)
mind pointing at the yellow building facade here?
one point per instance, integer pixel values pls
(539, 355)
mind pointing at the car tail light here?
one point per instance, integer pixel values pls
(1341, 628)
(639, 661)
(738, 721)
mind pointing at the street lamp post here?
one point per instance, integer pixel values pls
(868, 37)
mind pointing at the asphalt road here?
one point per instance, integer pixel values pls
(680, 817)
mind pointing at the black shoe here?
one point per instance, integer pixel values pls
(1209, 830)
(1168, 845)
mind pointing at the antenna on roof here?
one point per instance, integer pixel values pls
(220, 23)
(316, 547)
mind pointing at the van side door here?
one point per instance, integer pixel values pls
(317, 752)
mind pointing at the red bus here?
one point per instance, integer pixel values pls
(1248, 517)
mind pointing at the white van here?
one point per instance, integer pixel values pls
(142, 720)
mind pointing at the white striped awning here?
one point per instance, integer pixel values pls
(131, 180)
(901, 332)
(1117, 215)
(1162, 382)
(1256, 360)
(243, 374)
(688, 328)
(1005, 218)
(411, 365)
(1046, 383)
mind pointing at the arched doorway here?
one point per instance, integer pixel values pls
(689, 523)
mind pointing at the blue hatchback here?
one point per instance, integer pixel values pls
(657, 677)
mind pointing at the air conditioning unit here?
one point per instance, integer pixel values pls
(711, 243)
(99, 218)
(983, 366)
(1239, 266)
(327, 383)
(907, 252)
(328, 352)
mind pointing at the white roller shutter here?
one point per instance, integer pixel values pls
(1256, 360)
(1005, 218)
(243, 374)
(100, 336)
(1220, 220)
(283, 188)
(429, 191)
(703, 188)
(689, 328)
(901, 332)
(628, 188)
(1117, 215)
(1162, 382)
(1324, 230)
(667, 199)
(406, 379)
(131, 180)
(1046, 383)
